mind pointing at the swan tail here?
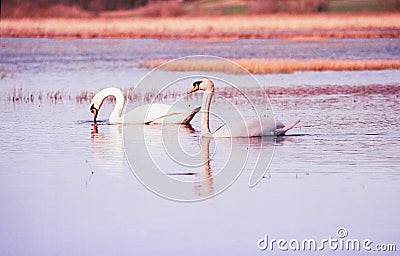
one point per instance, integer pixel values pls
(190, 115)
(286, 128)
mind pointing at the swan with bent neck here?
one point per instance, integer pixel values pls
(250, 127)
(145, 114)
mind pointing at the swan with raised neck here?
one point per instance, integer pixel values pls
(250, 127)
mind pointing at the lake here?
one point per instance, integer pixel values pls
(67, 187)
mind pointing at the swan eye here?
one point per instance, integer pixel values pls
(196, 85)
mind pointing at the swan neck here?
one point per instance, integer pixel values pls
(205, 112)
(116, 114)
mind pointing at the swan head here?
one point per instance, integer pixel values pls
(203, 84)
(94, 111)
(95, 104)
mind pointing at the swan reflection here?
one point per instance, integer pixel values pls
(175, 161)
(204, 188)
(107, 147)
(95, 132)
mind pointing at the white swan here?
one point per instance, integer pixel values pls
(251, 127)
(145, 114)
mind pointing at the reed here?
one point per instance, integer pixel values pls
(262, 66)
(198, 64)
(84, 96)
(19, 95)
(254, 26)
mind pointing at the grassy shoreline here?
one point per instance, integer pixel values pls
(297, 27)
(264, 66)
(360, 25)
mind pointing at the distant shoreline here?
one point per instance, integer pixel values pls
(270, 66)
(287, 26)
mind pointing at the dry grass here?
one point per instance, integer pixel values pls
(198, 64)
(262, 66)
(266, 26)
(33, 10)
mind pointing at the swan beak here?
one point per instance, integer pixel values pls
(94, 111)
(195, 88)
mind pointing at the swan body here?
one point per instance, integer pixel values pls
(253, 127)
(145, 114)
(249, 127)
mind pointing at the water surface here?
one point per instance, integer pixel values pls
(66, 187)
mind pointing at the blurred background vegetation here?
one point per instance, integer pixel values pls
(166, 8)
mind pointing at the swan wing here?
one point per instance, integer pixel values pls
(159, 113)
(222, 132)
(189, 115)
(251, 127)
(176, 115)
